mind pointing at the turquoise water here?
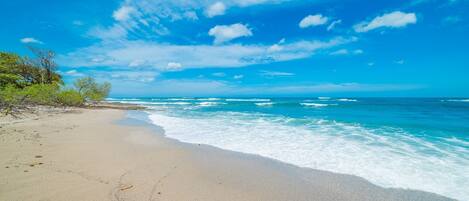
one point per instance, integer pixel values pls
(418, 143)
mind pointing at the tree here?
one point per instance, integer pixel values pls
(45, 60)
(8, 69)
(91, 90)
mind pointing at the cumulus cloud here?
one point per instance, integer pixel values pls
(149, 19)
(394, 19)
(31, 40)
(313, 20)
(218, 8)
(224, 33)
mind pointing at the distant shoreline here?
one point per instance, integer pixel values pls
(82, 155)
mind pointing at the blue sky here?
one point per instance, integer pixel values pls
(251, 47)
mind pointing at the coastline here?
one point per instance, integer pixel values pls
(86, 155)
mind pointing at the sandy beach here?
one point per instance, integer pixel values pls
(86, 154)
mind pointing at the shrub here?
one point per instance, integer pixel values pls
(10, 95)
(70, 97)
(42, 94)
(92, 91)
(10, 98)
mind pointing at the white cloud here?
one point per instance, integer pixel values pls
(219, 74)
(149, 19)
(313, 20)
(133, 76)
(340, 52)
(73, 73)
(31, 40)
(275, 74)
(137, 63)
(345, 52)
(115, 32)
(218, 8)
(333, 24)
(275, 48)
(395, 19)
(224, 33)
(191, 15)
(237, 77)
(216, 88)
(123, 13)
(173, 66)
(157, 55)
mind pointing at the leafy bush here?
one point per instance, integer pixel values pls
(70, 97)
(10, 95)
(92, 91)
(10, 98)
(42, 94)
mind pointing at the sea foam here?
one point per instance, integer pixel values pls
(389, 157)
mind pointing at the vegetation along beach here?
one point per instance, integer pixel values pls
(234, 100)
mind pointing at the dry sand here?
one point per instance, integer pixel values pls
(84, 155)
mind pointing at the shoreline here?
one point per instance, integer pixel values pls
(135, 162)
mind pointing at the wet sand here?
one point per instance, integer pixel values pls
(83, 154)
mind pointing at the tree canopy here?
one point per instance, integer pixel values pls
(91, 90)
(29, 81)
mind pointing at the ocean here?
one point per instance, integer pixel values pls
(416, 143)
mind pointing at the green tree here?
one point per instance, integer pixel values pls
(9, 73)
(90, 90)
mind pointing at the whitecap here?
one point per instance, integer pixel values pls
(456, 100)
(208, 104)
(247, 99)
(347, 100)
(208, 99)
(264, 104)
(315, 104)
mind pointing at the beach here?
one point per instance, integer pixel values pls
(94, 154)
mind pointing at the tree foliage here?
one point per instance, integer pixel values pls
(91, 90)
(34, 81)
